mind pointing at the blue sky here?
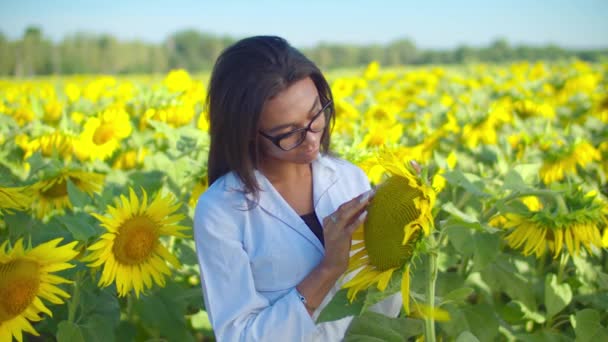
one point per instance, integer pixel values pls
(430, 24)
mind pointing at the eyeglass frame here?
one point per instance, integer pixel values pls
(276, 140)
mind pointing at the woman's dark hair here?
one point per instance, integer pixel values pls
(245, 76)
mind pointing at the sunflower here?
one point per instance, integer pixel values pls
(565, 160)
(131, 251)
(26, 278)
(56, 143)
(101, 135)
(381, 133)
(577, 223)
(52, 193)
(199, 187)
(399, 216)
(131, 159)
(17, 198)
(178, 81)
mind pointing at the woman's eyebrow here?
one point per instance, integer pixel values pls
(293, 124)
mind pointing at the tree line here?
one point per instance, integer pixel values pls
(85, 53)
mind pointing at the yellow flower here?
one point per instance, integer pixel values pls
(372, 70)
(26, 277)
(52, 193)
(203, 122)
(175, 116)
(99, 87)
(77, 117)
(17, 198)
(381, 134)
(52, 144)
(399, 216)
(178, 80)
(482, 131)
(52, 112)
(200, 186)
(131, 159)
(528, 108)
(600, 107)
(542, 230)
(23, 114)
(532, 202)
(102, 135)
(556, 165)
(72, 91)
(131, 252)
(439, 181)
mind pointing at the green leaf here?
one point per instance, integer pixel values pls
(587, 326)
(97, 302)
(186, 254)
(501, 275)
(451, 208)
(478, 319)
(151, 181)
(77, 197)
(470, 182)
(80, 225)
(530, 314)
(544, 336)
(462, 239)
(487, 248)
(200, 320)
(484, 247)
(528, 172)
(458, 295)
(466, 336)
(126, 331)
(69, 332)
(99, 328)
(163, 313)
(371, 326)
(557, 296)
(514, 182)
(340, 307)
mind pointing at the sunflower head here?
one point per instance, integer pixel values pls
(51, 193)
(392, 209)
(399, 216)
(26, 277)
(131, 251)
(575, 221)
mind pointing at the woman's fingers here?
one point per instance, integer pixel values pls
(358, 221)
(349, 211)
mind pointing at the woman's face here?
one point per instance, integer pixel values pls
(291, 109)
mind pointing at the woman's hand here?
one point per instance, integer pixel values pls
(338, 230)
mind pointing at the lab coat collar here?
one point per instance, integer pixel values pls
(324, 176)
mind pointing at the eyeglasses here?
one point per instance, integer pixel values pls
(290, 140)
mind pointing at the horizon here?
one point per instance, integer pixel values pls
(429, 25)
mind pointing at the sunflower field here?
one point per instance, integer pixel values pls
(99, 178)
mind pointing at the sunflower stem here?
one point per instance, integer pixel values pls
(429, 321)
(563, 261)
(130, 308)
(556, 198)
(462, 268)
(75, 298)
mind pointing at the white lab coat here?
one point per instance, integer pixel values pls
(251, 260)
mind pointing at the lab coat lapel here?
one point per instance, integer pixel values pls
(324, 176)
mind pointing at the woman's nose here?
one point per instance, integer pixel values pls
(312, 137)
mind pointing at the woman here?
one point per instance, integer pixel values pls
(273, 231)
